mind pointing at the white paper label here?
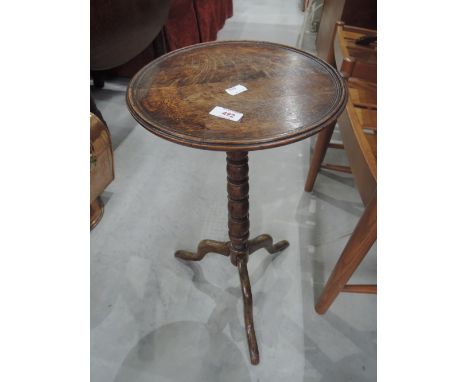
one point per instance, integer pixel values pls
(236, 89)
(221, 112)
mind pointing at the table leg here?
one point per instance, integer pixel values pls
(266, 241)
(204, 247)
(248, 310)
(239, 247)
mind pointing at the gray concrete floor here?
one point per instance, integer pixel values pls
(155, 318)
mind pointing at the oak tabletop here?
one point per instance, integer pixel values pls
(290, 95)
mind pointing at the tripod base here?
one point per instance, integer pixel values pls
(224, 248)
(239, 247)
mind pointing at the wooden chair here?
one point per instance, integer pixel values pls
(358, 126)
(358, 65)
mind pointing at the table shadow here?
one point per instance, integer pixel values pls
(184, 351)
(194, 351)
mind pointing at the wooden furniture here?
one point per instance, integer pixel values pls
(128, 34)
(291, 95)
(102, 166)
(358, 128)
(125, 35)
(121, 29)
(360, 13)
(358, 65)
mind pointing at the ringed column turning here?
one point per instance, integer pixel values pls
(238, 226)
(238, 204)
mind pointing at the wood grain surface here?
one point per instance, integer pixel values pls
(291, 95)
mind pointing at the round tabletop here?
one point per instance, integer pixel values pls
(290, 95)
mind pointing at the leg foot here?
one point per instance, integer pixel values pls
(204, 247)
(97, 210)
(266, 241)
(248, 311)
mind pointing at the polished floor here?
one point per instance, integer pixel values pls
(156, 318)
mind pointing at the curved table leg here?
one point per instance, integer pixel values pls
(248, 310)
(204, 247)
(266, 241)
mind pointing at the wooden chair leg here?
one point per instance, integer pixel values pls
(323, 139)
(361, 240)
